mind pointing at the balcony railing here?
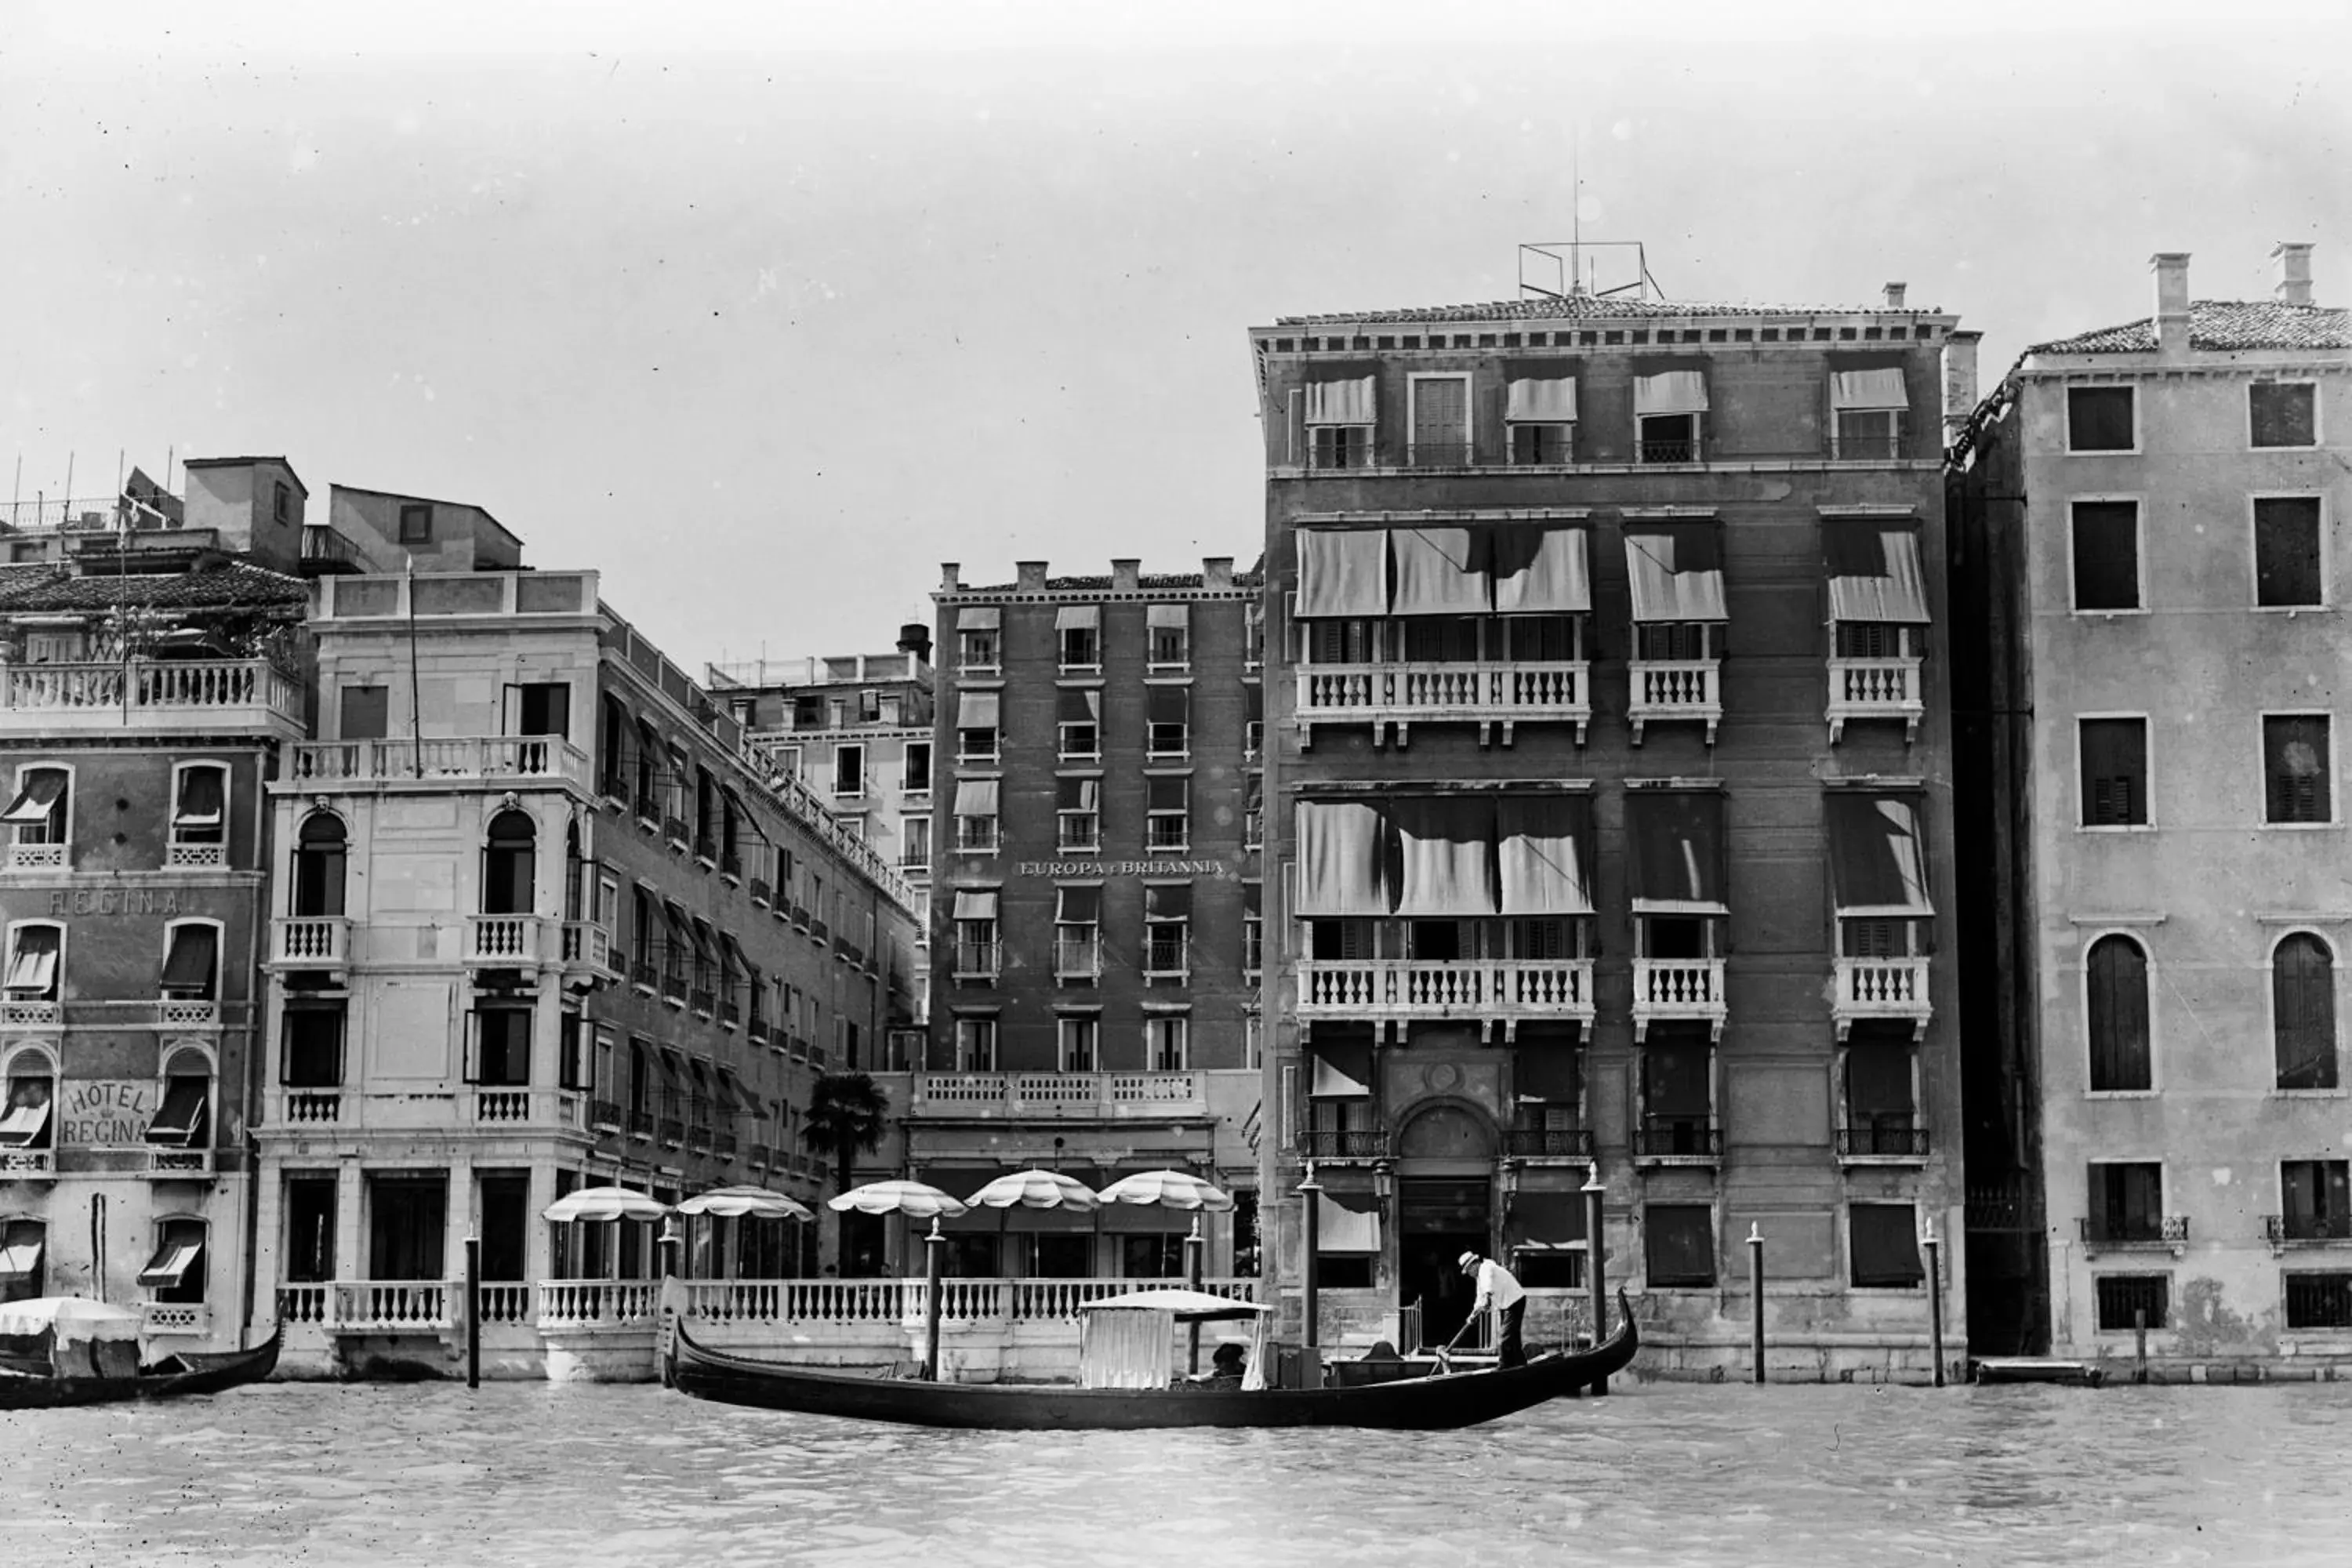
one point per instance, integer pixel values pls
(975, 959)
(187, 1012)
(1870, 988)
(1497, 691)
(2138, 1232)
(1875, 689)
(2281, 1230)
(15, 1014)
(1677, 1138)
(1507, 988)
(588, 946)
(184, 855)
(1883, 1141)
(36, 856)
(505, 942)
(329, 548)
(17, 1163)
(1678, 988)
(1664, 690)
(761, 894)
(312, 942)
(1076, 1095)
(229, 694)
(464, 759)
(1078, 959)
(1552, 1143)
(1346, 1144)
(604, 1114)
(169, 1319)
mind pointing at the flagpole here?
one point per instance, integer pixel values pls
(122, 582)
(416, 710)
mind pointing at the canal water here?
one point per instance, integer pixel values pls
(1675, 1473)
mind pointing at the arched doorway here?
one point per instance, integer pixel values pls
(1445, 1187)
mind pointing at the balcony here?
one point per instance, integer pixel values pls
(1883, 1140)
(36, 856)
(1495, 695)
(1875, 689)
(587, 953)
(180, 1165)
(16, 1014)
(1500, 990)
(1569, 1143)
(310, 1107)
(1678, 988)
(1057, 1096)
(1669, 690)
(310, 941)
(2282, 1231)
(474, 761)
(975, 962)
(223, 696)
(2138, 1233)
(327, 550)
(1875, 988)
(1077, 962)
(186, 1013)
(1346, 1144)
(761, 894)
(175, 1320)
(27, 1165)
(507, 941)
(1672, 1139)
(186, 855)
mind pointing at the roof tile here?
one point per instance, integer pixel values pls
(2223, 325)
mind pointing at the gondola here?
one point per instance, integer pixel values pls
(1436, 1402)
(172, 1376)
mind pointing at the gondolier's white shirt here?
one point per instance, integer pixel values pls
(1497, 1287)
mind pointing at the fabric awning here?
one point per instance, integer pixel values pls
(171, 1264)
(1348, 1221)
(1078, 795)
(979, 618)
(1875, 574)
(1077, 905)
(1078, 705)
(978, 709)
(22, 1125)
(1252, 898)
(1546, 1219)
(1671, 392)
(1875, 863)
(1541, 400)
(975, 797)
(1342, 868)
(1675, 571)
(1445, 855)
(188, 963)
(1541, 852)
(1165, 791)
(1342, 573)
(1343, 1069)
(32, 963)
(200, 804)
(1677, 865)
(19, 1261)
(733, 1101)
(1167, 704)
(1349, 402)
(1868, 389)
(1167, 901)
(1077, 618)
(1537, 568)
(37, 798)
(1438, 572)
(975, 904)
(1167, 617)
(182, 1118)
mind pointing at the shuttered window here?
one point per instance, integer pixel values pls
(2099, 419)
(2302, 1012)
(2116, 1000)
(2107, 554)
(2115, 772)
(2286, 552)
(2296, 769)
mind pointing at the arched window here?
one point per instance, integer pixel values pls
(320, 859)
(508, 865)
(184, 1120)
(176, 1273)
(27, 1093)
(23, 1269)
(2303, 1011)
(2116, 985)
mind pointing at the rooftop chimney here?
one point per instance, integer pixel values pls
(915, 637)
(1216, 572)
(1029, 574)
(1895, 295)
(2171, 268)
(2294, 273)
(949, 570)
(1959, 381)
(1125, 575)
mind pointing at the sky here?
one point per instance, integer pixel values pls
(767, 311)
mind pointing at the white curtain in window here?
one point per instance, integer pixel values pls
(1542, 400)
(1875, 865)
(1167, 617)
(977, 711)
(1347, 402)
(1445, 855)
(1077, 618)
(976, 798)
(975, 904)
(979, 618)
(1437, 574)
(1671, 392)
(1343, 573)
(1342, 867)
(1540, 570)
(1899, 594)
(1868, 389)
(1544, 862)
(1659, 567)
(1347, 1222)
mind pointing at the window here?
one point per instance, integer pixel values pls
(22, 1275)
(1253, 634)
(39, 814)
(1677, 1090)
(978, 719)
(2296, 768)
(641, 1089)
(2313, 1301)
(416, 524)
(975, 1045)
(25, 1111)
(281, 502)
(509, 865)
(1079, 723)
(1666, 434)
(1884, 1246)
(1078, 633)
(976, 647)
(1539, 412)
(1078, 1035)
(175, 1274)
(975, 815)
(2283, 413)
(199, 815)
(2286, 552)
(2316, 1195)
(1078, 814)
(183, 1120)
(366, 713)
(501, 1047)
(2303, 1011)
(1253, 812)
(1678, 1245)
(916, 775)
(2116, 1006)
(1169, 628)
(1169, 709)
(1877, 639)
(869, 706)
(1869, 433)
(848, 770)
(2115, 772)
(648, 776)
(192, 961)
(1678, 642)
(975, 934)
(1167, 821)
(1163, 1043)
(706, 815)
(1881, 1104)
(2127, 1302)
(2107, 554)
(914, 841)
(1441, 420)
(36, 949)
(540, 708)
(2100, 419)
(311, 1046)
(1253, 930)
(1078, 935)
(2126, 1202)
(1252, 719)
(309, 1210)
(1167, 927)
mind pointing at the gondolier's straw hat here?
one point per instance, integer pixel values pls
(1468, 1260)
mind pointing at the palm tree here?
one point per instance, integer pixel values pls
(847, 1115)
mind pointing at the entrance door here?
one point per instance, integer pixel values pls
(408, 1222)
(1438, 1220)
(506, 1201)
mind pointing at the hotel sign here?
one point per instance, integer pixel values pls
(1125, 868)
(117, 901)
(106, 1111)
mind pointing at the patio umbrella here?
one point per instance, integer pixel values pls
(603, 1203)
(913, 1199)
(71, 1318)
(735, 1203)
(1169, 1189)
(1034, 1189)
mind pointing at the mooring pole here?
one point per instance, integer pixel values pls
(2140, 1344)
(1596, 1267)
(933, 1245)
(1935, 1297)
(1194, 1245)
(1309, 1193)
(1756, 1290)
(473, 1311)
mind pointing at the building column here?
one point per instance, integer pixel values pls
(264, 1244)
(351, 1244)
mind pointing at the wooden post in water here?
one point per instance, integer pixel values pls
(1596, 1267)
(1194, 1245)
(2140, 1344)
(1309, 1192)
(1755, 1291)
(1935, 1297)
(933, 1245)
(473, 1311)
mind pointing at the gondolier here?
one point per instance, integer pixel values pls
(1499, 1291)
